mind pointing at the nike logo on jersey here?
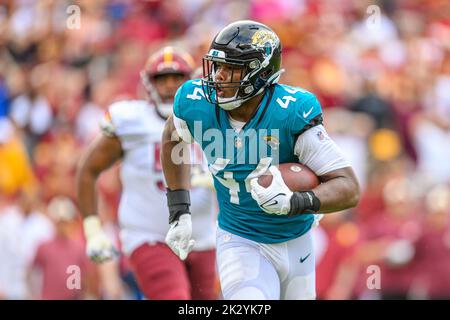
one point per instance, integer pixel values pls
(305, 114)
(303, 259)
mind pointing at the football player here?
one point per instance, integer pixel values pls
(264, 246)
(131, 132)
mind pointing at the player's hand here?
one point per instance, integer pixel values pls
(274, 199)
(201, 179)
(178, 237)
(99, 247)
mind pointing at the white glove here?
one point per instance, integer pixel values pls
(99, 247)
(274, 199)
(178, 237)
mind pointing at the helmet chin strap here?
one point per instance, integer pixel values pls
(275, 77)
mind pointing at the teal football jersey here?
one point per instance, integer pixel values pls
(234, 158)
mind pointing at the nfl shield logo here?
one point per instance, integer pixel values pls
(320, 135)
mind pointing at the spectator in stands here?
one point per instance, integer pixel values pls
(61, 260)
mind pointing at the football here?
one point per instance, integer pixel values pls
(296, 176)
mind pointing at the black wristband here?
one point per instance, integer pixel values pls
(178, 202)
(304, 202)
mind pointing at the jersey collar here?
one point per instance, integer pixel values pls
(224, 122)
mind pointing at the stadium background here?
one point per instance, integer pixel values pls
(381, 70)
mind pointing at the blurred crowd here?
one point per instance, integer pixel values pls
(381, 70)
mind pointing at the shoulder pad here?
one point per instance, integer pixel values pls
(121, 113)
(305, 110)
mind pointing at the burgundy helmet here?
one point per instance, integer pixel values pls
(168, 60)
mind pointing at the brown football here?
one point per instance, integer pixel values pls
(296, 176)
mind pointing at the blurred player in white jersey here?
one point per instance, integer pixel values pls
(131, 132)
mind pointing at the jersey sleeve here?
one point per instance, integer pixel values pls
(126, 120)
(177, 103)
(191, 112)
(319, 152)
(180, 116)
(306, 114)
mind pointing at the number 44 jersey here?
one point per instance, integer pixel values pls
(237, 155)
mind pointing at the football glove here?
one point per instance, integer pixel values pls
(279, 199)
(274, 199)
(178, 237)
(99, 247)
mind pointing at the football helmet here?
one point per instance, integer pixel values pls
(167, 61)
(247, 45)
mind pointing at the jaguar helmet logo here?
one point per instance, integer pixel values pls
(265, 39)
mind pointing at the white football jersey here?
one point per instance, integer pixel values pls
(143, 212)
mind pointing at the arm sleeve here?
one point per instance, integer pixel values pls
(317, 151)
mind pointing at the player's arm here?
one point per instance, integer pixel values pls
(102, 153)
(175, 159)
(339, 189)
